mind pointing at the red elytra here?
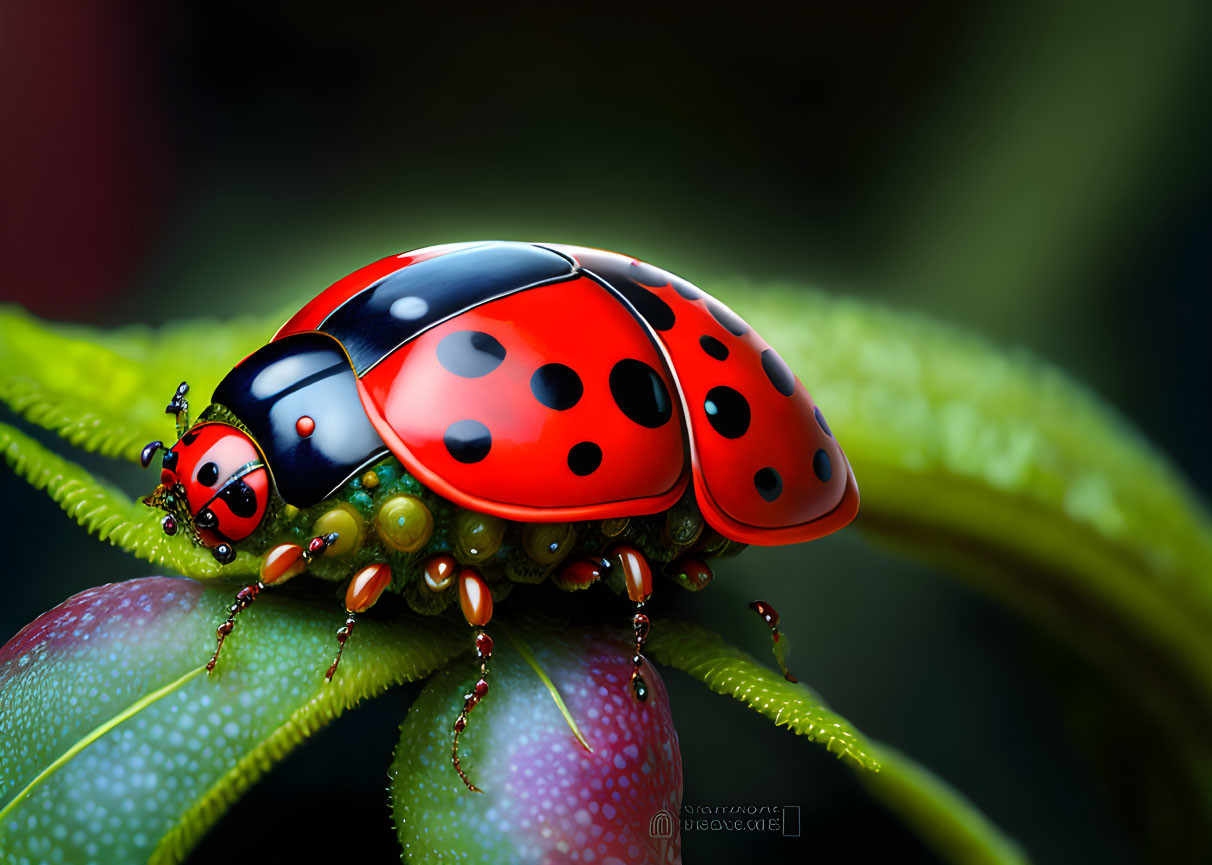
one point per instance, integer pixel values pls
(766, 468)
(641, 469)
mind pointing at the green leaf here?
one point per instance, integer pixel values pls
(105, 391)
(947, 822)
(941, 816)
(116, 747)
(109, 514)
(1004, 469)
(727, 670)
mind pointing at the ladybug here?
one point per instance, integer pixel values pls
(451, 421)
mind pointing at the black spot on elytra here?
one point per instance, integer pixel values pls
(584, 458)
(240, 499)
(654, 310)
(208, 474)
(468, 441)
(685, 289)
(730, 321)
(778, 372)
(821, 465)
(713, 347)
(727, 411)
(768, 483)
(189, 438)
(820, 419)
(639, 393)
(646, 274)
(556, 386)
(470, 353)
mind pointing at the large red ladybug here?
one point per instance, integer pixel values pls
(586, 415)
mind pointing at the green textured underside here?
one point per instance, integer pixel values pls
(150, 786)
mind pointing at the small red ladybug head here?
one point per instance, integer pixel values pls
(213, 480)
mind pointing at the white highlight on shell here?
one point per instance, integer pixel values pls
(409, 308)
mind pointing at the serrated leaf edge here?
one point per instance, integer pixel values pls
(108, 513)
(705, 656)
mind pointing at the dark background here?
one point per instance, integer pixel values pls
(1036, 172)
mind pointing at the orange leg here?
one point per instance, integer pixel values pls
(277, 566)
(364, 591)
(476, 601)
(637, 576)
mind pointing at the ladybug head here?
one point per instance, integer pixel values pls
(213, 482)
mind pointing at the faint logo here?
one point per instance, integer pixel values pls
(781, 819)
(791, 821)
(661, 825)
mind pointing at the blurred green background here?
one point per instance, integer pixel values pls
(1035, 172)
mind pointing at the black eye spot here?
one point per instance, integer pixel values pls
(654, 310)
(470, 353)
(821, 465)
(820, 419)
(727, 411)
(768, 483)
(468, 441)
(728, 319)
(208, 474)
(778, 372)
(206, 519)
(556, 386)
(639, 393)
(240, 498)
(584, 458)
(713, 347)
